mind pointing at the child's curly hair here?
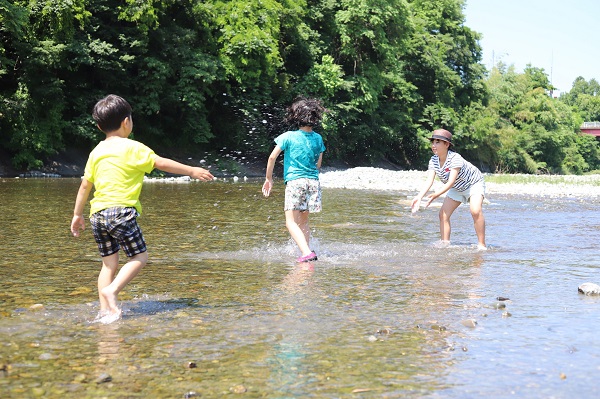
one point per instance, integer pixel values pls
(305, 112)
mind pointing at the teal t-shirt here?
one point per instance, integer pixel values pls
(301, 151)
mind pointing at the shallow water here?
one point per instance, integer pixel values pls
(381, 315)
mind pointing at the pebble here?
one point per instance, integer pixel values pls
(238, 389)
(471, 323)
(102, 378)
(589, 289)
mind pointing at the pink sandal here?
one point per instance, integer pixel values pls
(307, 258)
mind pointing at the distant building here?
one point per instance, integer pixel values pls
(592, 128)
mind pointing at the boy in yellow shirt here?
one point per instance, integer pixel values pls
(116, 169)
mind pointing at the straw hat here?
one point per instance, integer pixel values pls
(441, 134)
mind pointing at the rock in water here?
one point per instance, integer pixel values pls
(589, 289)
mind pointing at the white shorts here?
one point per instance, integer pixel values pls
(464, 196)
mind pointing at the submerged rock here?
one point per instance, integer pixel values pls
(102, 378)
(589, 289)
(238, 389)
(471, 323)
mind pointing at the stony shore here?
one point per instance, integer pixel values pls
(361, 178)
(369, 178)
(383, 179)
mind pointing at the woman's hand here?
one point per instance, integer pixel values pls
(415, 204)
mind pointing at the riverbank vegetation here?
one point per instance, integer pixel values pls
(215, 75)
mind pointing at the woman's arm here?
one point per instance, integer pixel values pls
(416, 202)
(445, 187)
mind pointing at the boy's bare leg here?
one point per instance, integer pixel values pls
(125, 275)
(448, 207)
(292, 222)
(106, 276)
(478, 219)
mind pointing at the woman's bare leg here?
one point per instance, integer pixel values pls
(448, 207)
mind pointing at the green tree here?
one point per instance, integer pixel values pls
(538, 134)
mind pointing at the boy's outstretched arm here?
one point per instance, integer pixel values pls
(171, 166)
(78, 223)
(268, 184)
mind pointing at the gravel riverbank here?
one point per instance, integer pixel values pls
(545, 185)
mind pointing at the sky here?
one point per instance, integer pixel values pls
(560, 36)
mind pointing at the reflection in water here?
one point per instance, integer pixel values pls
(299, 278)
(380, 314)
(288, 361)
(109, 344)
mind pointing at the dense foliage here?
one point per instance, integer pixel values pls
(214, 74)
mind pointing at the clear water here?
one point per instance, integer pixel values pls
(384, 314)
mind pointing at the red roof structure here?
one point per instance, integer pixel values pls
(592, 128)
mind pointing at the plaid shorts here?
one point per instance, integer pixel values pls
(115, 228)
(303, 195)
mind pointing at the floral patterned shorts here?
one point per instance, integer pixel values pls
(303, 195)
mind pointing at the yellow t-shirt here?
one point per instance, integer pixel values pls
(117, 167)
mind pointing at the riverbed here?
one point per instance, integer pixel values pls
(222, 309)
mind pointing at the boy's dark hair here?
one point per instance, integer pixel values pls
(305, 112)
(110, 112)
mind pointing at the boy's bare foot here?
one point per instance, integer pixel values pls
(107, 317)
(481, 247)
(111, 299)
(111, 317)
(100, 315)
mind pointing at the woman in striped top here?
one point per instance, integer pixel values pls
(463, 183)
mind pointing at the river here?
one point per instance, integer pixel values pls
(221, 308)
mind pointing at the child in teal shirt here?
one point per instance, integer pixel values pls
(303, 153)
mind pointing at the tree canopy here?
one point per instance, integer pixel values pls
(209, 74)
